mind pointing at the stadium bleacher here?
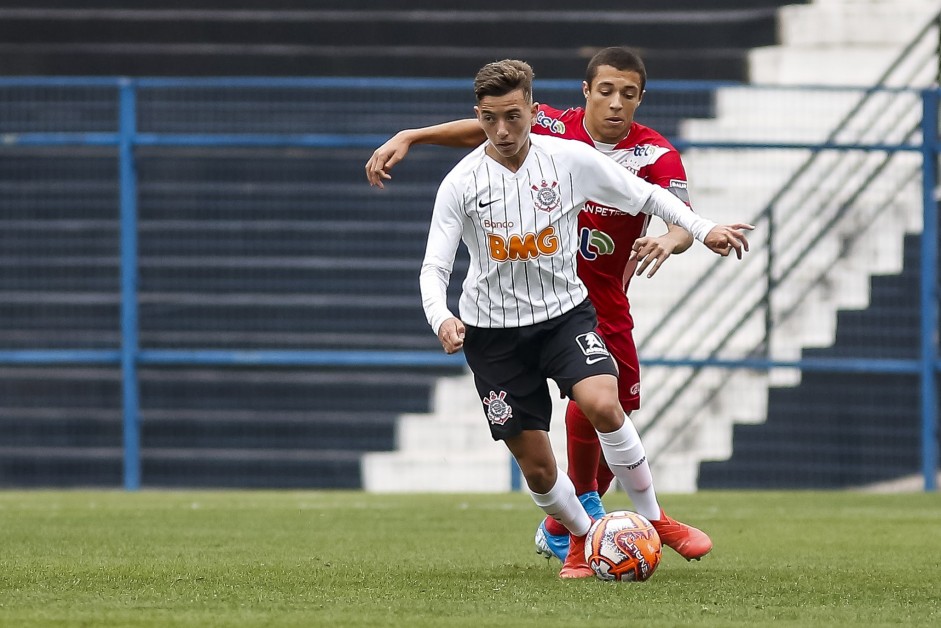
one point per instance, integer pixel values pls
(236, 252)
(841, 430)
(232, 257)
(686, 39)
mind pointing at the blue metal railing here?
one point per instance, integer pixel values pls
(130, 346)
(131, 356)
(929, 367)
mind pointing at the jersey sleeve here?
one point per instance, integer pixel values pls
(668, 172)
(444, 236)
(603, 181)
(666, 206)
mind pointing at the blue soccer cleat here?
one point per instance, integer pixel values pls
(557, 545)
(551, 545)
(592, 503)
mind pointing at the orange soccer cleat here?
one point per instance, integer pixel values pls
(687, 541)
(575, 565)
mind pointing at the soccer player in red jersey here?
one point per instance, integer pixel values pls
(613, 248)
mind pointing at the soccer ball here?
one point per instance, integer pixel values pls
(622, 546)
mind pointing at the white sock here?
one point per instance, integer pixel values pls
(561, 504)
(627, 459)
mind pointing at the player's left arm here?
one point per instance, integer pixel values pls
(599, 178)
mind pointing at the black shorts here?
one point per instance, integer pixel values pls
(511, 366)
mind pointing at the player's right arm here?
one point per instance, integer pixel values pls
(444, 235)
(455, 134)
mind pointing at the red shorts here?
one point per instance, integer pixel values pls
(622, 348)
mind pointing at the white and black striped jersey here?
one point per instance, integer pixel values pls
(520, 229)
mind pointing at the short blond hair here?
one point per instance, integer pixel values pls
(502, 77)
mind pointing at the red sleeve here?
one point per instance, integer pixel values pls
(668, 172)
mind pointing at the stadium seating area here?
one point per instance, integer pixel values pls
(251, 248)
(248, 250)
(680, 39)
(214, 273)
(838, 430)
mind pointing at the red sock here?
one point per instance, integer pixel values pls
(584, 450)
(554, 527)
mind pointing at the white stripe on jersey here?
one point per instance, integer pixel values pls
(520, 229)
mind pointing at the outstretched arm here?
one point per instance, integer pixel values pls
(611, 184)
(723, 239)
(456, 134)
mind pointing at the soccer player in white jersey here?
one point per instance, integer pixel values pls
(614, 87)
(524, 316)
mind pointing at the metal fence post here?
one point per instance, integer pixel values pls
(129, 322)
(770, 283)
(929, 291)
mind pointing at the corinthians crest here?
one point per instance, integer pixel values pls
(498, 410)
(546, 196)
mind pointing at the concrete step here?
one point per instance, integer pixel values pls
(261, 40)
(200, 429)
(225, 6)
(481, 471)
(227, 389)
(172, 468)
(853, 24)
(851, 66)
(429, 29)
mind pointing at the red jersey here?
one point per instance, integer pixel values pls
(606, 235)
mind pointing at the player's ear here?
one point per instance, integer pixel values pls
(477, 112)
(534, 109)
(586, 89)
(640, 98)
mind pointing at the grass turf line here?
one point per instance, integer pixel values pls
(100, 558)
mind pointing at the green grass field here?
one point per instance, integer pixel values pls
(352, 559)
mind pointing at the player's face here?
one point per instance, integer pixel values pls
(506, 120)
(610, 103)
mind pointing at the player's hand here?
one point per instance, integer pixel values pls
(451, 335)
(385, 157)
(723, 239)
(652, 252)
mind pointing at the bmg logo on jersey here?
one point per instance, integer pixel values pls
(522, 247)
